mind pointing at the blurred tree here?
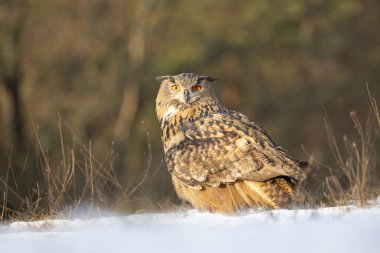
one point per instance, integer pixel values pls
(12, 23)
(13, 144)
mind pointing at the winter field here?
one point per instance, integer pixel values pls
(337, 229)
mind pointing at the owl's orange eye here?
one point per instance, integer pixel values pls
(196, 87)
(175, 87)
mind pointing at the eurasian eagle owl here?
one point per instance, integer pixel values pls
(220, 160)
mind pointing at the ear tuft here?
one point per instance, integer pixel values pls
(207, 78)
(162, 78)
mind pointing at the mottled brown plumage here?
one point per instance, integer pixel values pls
(220, 160)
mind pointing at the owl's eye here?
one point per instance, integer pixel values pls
(196, 87)
(175, 87)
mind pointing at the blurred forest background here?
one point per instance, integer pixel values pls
(77, 87)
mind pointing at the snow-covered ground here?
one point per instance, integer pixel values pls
(338, 229)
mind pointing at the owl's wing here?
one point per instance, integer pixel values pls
(225, 147)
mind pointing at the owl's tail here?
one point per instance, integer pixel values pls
(274, 193)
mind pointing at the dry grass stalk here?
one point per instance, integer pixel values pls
(355, 176)
(76, 182)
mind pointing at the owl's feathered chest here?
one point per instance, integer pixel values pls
(206, 144)
(174, 118)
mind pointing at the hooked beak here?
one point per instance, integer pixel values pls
(187, 96)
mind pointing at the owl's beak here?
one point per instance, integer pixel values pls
(187, 96)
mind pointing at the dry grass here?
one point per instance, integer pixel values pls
(75, 183)
(355, 177)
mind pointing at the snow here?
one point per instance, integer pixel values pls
(338, 229)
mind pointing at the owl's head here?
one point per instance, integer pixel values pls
(184, 89)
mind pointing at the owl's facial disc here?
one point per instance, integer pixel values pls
(184, 89)
(184, 94)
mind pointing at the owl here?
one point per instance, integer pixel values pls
(219, 159)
